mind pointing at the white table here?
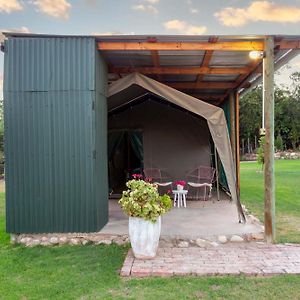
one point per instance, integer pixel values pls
(180, 197)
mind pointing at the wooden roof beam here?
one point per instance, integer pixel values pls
(202, 85)
(182, 46)
(179, 70)
(207, 58)
(155, 61)
(287, 45)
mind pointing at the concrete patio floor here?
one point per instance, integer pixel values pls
(201, 219)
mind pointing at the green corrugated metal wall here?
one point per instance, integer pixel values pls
(55, 121)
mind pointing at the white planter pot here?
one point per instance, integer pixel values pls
(144, 237)
(179, 187)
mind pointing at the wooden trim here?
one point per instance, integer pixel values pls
(181, 46)
(179, 70)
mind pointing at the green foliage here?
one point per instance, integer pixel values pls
(142, 200)
(278, 143)
(261, 151)
(251, 113)
(286, 114)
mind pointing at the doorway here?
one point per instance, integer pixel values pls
(125, 158)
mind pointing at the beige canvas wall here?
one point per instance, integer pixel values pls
(174, 140)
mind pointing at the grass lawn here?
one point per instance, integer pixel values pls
(287, 179)
(91, 272)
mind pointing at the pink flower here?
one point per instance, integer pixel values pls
(137, 176)
(180, 182)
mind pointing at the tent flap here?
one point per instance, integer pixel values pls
(135, 84)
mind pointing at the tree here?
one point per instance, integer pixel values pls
(278, 143)
(287, 113)
(261, 152)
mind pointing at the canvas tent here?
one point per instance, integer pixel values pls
(135, 85)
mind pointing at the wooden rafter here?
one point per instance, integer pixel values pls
(180, 70)
(202, 85)
(207, 58)
(182, 46)
(286, 45)
(156, 61)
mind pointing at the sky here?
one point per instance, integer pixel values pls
(213, 17)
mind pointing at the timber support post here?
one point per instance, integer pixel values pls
(232, 125)
(237, 141)
(269, 188)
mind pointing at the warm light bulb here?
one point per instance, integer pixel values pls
(256, 54)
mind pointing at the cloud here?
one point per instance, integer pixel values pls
(54, 8)
(194, 11)
(183, 27)
(22, 29)
(259, 11)
(146, 8)
(8, 6)
(112, 33)
(152, 1)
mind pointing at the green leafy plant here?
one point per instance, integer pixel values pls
(142, 200)
(261, 152)
(278, 143)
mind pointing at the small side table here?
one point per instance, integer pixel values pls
(180, 197)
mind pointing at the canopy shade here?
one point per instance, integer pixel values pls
(135, 85)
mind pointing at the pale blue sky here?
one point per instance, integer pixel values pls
(153, 17)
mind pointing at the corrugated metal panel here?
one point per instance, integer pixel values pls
(220, 78)
(50, 64)
(50, 136)
(141, 58)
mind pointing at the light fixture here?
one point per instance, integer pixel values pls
(256, 54)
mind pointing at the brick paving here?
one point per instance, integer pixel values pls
(231, 258)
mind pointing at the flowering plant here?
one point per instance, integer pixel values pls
(137, 176)
(180, 182)
(142, 200)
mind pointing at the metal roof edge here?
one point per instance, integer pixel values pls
(145, 36)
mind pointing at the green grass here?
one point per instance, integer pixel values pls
(287, 193)
(91, 272)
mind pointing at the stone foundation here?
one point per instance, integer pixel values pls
(97, 238)
(31, 240)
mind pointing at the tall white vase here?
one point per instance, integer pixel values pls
(144, 237)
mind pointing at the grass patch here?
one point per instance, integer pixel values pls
(287, 193)
(91, 272)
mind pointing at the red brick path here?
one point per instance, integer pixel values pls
(233, 258)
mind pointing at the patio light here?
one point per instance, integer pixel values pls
(256, 54)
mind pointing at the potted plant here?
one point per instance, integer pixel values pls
(180, 184)
(144, 206)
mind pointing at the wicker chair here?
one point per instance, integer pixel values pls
(159, 177)
(201, 178)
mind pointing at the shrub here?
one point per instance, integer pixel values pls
(142, 200)
(279, 143)
(261, 151)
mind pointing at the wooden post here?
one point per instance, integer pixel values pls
(217, 172)
(237, 134)
(232, 125)
(268, 78)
